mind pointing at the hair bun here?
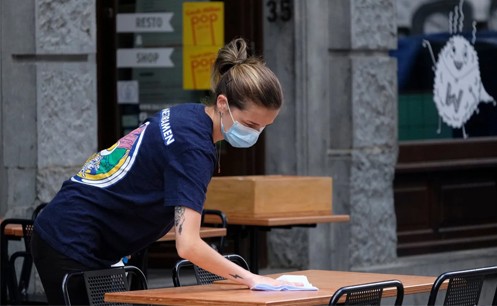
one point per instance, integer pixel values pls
(225, 68)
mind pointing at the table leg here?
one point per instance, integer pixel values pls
(241, 232)
(254, 249)
(3, 271)
(140, 260)
(238, 238)
(5, 268)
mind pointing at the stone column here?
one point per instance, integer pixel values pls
(3, 176)
(361, 34)
(49, 124)
(340, 118)
(48, 119)
(18, 107)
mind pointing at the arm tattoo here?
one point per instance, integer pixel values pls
(235, 276)
(179, 218)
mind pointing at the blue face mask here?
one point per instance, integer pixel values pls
(240, 136)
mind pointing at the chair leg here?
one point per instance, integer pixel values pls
(494, 301)
(14, 296)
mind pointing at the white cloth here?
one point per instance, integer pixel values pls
(288, 278)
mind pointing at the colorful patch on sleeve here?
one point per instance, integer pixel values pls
(109, 166)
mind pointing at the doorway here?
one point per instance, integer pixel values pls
(241, 19)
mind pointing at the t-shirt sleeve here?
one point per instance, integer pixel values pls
(186, 179)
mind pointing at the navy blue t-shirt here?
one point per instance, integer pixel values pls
(123, 198)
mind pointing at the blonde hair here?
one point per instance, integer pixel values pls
(244, 79)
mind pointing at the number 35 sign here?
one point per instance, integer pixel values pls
(279, 10)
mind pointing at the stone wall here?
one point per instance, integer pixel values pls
(3, 176)
(48, 123)
(48, 85)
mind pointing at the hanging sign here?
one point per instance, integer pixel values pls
(128, 92)
(203, 36)
(144, 22)
(144, 57)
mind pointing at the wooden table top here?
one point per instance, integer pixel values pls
(205, 232)
(13, 230)
(281, 219)
(227, 293)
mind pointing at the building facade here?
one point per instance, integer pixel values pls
(340, 119)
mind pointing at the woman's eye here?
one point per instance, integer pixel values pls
(250, 125)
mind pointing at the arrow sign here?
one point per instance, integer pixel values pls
(144, 22)
(144, 57)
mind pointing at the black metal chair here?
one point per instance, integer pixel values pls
(222, 222)
(98, 282)
(202, 276)
(38, 209)
(367, 294)
(17, 288)
(464, 286)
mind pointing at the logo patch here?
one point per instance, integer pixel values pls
(109, 166)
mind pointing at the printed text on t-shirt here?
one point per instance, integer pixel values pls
(167, 133)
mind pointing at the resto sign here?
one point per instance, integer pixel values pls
(144, 22)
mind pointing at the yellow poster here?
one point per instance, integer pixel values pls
(203, 36)
(197, 65)
(203, 23)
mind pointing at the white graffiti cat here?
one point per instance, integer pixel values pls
(457, 89)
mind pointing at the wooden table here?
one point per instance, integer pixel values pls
(205, 232)
(285, 219)
(15, 230)
(227, 293)
(254, 223)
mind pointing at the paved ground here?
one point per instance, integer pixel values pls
(160, 278)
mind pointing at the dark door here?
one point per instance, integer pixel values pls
(242, 19)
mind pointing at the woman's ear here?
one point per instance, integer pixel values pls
(222, 103)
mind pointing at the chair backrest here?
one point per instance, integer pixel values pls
(222, 222)
(202, 276)
(464, 286)
(367, 294)
(38, 210)
(98, 282)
